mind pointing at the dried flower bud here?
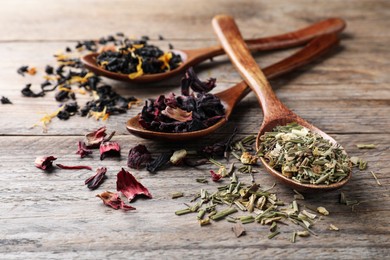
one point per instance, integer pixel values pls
(44, 163)
(247, 158)
(178, 156)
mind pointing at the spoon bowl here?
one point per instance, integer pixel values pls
(196, 56)
(275, 112)
(231, 96)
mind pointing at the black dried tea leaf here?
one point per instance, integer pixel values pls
(49, 69)
(160, 162)
(138, 155)
(5, 100)
(21, 70)
(27, 92)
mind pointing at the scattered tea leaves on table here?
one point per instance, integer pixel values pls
(129, 186)
(94, 181)
(109, 149)
(82, 149)
(138, 155)
(323, 211)
(376, 178)
(74, 167)
(44, 162)
(177, 194)
(333, 227)
(238, 229)
(113, 200)
(5, 100)
(366, 146)
(160, 162)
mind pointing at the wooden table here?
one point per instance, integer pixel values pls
(346, 94)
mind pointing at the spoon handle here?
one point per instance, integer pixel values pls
(234, 45)
(282, 41)
(307, 54)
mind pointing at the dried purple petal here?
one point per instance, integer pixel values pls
(74, 167)
(112, 200)
(129, 186)
(109, 149)
(94, 181)
(137, 156)
(191, 80)
(177, 114)
(45, 162)
(82, 149)
(214, 176)
(158, 163)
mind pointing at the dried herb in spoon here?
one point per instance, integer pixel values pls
(304, 156)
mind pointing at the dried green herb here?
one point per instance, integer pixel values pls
(366, 146)
(304, 156)
(273, 234)
(176, 195)
(376, 178)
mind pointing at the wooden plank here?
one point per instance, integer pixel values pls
(43, 20)
(47, 214)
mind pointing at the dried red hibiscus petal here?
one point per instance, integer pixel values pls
(109, 149)
(44, 163)
(82, 149)
(214, 176)
(95, 138)
(129, 186)
(94, 181)
(112, 200)
(74, 167)
(137, 156)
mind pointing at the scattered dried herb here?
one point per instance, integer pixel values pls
(5, 100)
(74, 167)
(94, 181)
(95, 138)
(376, 178)
(178, 156)
(177, 194)
(109, 149)
(160, 162)
(82, 149)
(138, 155)
(215, 177)
(136, 58)
(366, 146)
(238, 229)
(45, 162)
(304, 156)
(27, 92)
(21, 70)
(184, 113)
(113, 200)
(129, 186)
(323, 211)
(333, 227)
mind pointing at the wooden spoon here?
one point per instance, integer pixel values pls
(231, 96)
(275, 112)
(193, 57)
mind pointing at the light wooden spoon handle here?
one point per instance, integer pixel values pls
(235, 47)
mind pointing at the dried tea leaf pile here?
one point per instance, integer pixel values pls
(304, 156)
(184, 113)
(137, 57)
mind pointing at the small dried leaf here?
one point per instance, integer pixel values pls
(94, 181)
(238, 229)
(323, 211)
(129, 186)
(112, 200)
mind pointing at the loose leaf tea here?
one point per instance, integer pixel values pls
(82, 149)
(45, 162)
(184, 113)
(112, 200)
(94, 181)
(5, 100)
(138, 155)
(129, 186)
(136, 58)
(74, 167)
(304, 156)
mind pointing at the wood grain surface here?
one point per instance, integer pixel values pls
(54, 216)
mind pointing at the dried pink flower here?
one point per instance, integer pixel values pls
(112, 200)
(44, 162)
